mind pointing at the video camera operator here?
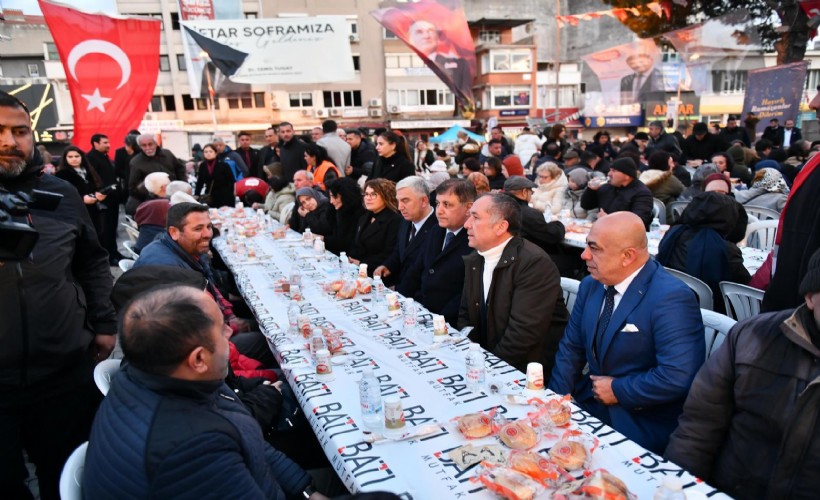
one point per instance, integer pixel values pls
(57, 318)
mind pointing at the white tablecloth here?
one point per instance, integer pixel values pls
(428, 378)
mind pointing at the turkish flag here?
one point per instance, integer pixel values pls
(111, 65)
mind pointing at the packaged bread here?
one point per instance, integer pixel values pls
(538, 467)
(508, 483)
(348, 290)
(559, 411)
(571, 455)
(518, 435)
(599, 485)
(475, 425)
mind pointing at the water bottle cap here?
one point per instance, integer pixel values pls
(672, 484)
(367, 370)
(317, 331)
(475, 347)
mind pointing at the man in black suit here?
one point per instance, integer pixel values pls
(98, 158)
(249, 155)
(438, 276)
(424, 37)
(413, 196)
(267, 154)
(645, 81)
(774, 132)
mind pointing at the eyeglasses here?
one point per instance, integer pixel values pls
(371, 194)
(544, 177)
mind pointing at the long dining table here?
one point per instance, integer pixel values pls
(427, 377)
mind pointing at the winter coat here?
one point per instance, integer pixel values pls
(759, 197)
(345, 223)
(665, 142)
(750, 425)
(572, 202)
(663, 184)
(275, 201)
(85, 187)
(362, 159)
(394, 168)
(694, 149)
(142, 165)
(219, 184)
(317, 220)
(527, 145)
(292, 157)
(635, 198)
(375, 237)
(552, 194)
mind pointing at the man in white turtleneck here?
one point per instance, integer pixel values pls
(512, 290)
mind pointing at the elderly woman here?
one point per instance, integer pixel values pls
(577, 180)
(552, 183)
(313, 208)
(768, 190)
(378, 228)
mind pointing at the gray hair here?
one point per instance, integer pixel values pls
(155, 181)
(151, 137)
(415, 183)
(553, 169)
(505, 207)
(215, 140)
(177, 187)
(308, 175)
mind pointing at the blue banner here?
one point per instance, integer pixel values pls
(775, 93)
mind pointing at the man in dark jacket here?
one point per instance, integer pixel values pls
(751, 423)
(732, 132)
(98, 158)
(291, 152)
(122, 162)
(56, 319)
(774, 132)
(701, 145)
(267, 155)
(249, 155)
(659, 139)
(512, 290)
(231, 158)
(362, 155)
(151, 158)
(547, 235)
(623, 193)
(170, 423)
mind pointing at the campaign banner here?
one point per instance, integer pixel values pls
(775, 93)
(438, 33)
(279, 51)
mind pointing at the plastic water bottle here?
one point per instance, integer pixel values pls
(476, 371)
(670, 489)
(342, 263)
(293, 315)
(655, 229)
(370, 397)
(307, 238)
(378, 289)
(317, 342)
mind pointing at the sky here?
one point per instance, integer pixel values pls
(31, 6)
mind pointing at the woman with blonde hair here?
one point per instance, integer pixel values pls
(549, 196)
(480, 181)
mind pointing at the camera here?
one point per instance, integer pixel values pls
(17, 235)
(108, 189)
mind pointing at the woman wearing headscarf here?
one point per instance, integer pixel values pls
(480, 181)
(768, 190)
(313, 210)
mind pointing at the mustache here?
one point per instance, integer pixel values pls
(13, 152)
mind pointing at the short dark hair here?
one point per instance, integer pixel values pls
(329, 126)
(179, 212)
(495, 164)
(659, 160)
(243, 132)
(464, 190)
(160, 328)
(505, 207)
(763, 145)
(286, 124)
(495, 141)
(353, 131)
(9, 101)
(251, 197)
(472, 164)
(96, 138)
(552, 149)
(497, 127)
(588, 155)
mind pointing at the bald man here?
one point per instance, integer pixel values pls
(639, 329)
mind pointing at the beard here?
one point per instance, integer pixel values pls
(11, 167)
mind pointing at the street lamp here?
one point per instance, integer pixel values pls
(205, 58)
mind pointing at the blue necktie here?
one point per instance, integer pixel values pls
(603, 320)
(448, 238)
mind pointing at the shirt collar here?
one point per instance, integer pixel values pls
(495, 252)
(624, 285)
(420, 223)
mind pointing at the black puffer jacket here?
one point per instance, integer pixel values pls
(66, 285)
(750, 424)
(635, 198)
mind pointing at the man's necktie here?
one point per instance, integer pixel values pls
(448, 238)
(412, 233)
(636, 91)
(603, 320)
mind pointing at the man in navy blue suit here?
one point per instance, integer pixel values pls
(413, 196)
(639, 329)
(438, 276)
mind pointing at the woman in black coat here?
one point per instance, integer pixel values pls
(216, 177)
(493, 170)
(75, 168)
(378, 228)
(394, 161)
(348, 208)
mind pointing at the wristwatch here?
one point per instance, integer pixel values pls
(309, 490)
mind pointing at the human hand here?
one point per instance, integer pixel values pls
(102, 346)
(100, 196)
(381, 271)
(302, 212)
(89, 199)
(349, 170)
(239, 325)
(354, 261)
(602, 389)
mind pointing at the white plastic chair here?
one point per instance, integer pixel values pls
(284, 215)
(701, 289)
(131, 222)
(103, 373)
(126, 264)
(659, 210)
(761, 234)
(133, 233)
(71, 479)
(570, 288)
(762, 213)
(716, 327)
(676, 209)
(741, 301)
(128, 246)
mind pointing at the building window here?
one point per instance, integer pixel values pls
(251, 15)
(420, 97)
(389, 35)
(728, 82)
(511, 61)
(489, 36)
(33, 70)
(164, 63)
(202, 103)
(511, 97)
(342, 99)
(356, 63)
(187, 102)
(247, 102)
(259, 99)
(812, 79)
(175, 21)
(300, 99)
(51, 52)
(567, 96)
(233, 103)
(181, 62)
(156, 104)
(170, 103)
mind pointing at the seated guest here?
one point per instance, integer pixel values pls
(312, 212)
(251, 190)
(150, 215)
(697, 245)
(534, 228)
(377, 230)
(346, 199)
(480, 181)
(215, 180)
(438, 275)
(639, 330)
(301, 179)
(513, 165)
(623, 193)
(552, 183)
(697, 186)
(768, 190)
(577, 181)
(512, 290)
(749, 425)
(701, 145)
(281, 193)
(414, 206)
(170, 423)
(470, 165)
(492, 169)
(738, 161)
(660, 179)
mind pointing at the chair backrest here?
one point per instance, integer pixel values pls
(659, 210)
(702, 290)
(131, 222)
(103, 373)
(570, 288)
(715, 326)
(762, 213)
(676, 209)
(284, 215)
(761, 234)
(129, 249)
(126, 264)
(741, 301)
(133, 233)
(71, 479)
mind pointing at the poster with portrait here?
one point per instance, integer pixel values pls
(437, 31)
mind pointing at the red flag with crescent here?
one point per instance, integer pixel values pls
(111, 65)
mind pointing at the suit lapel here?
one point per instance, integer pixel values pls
(594, 302)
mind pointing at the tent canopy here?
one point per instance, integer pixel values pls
(450, 135)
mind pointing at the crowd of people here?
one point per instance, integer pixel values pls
(471, 230)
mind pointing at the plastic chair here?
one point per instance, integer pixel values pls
(126, 264)
(103, 373)
(284, 215)
(133, 233)
(716, 327)
(761, 234)
(744, 300)
(701, 289)
(129, 249)
(131, 222)
(676, 209)
(762, 213)
(570, 288)
(71, 479)
(659, 210)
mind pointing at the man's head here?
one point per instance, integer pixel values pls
(462, 136)
(190, 226)
(731, 123)
(495, 147)
(156, 183)
(699, 130)
(178, 187)
(454, 197)
(810, 286)
(553, 150)
(286, 131)
(148, 144)
(16, 139)
(218, 144)
(316, 133)
(177, 331)
(616, 247)
(496, 133)
(590, 158)
(413, 198)
(519, 187)
(244, 140)
(640, 63)
(571, 158)
(424, 37)
(329, 126)
(622, 172)
(655, 129)
(789, 124)
(271, 137)
(763, 147)
(494, 217)
(302, 179)
(774, 122)
(100, 143)
(354, 137)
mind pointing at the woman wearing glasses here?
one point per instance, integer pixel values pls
(378, 228)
